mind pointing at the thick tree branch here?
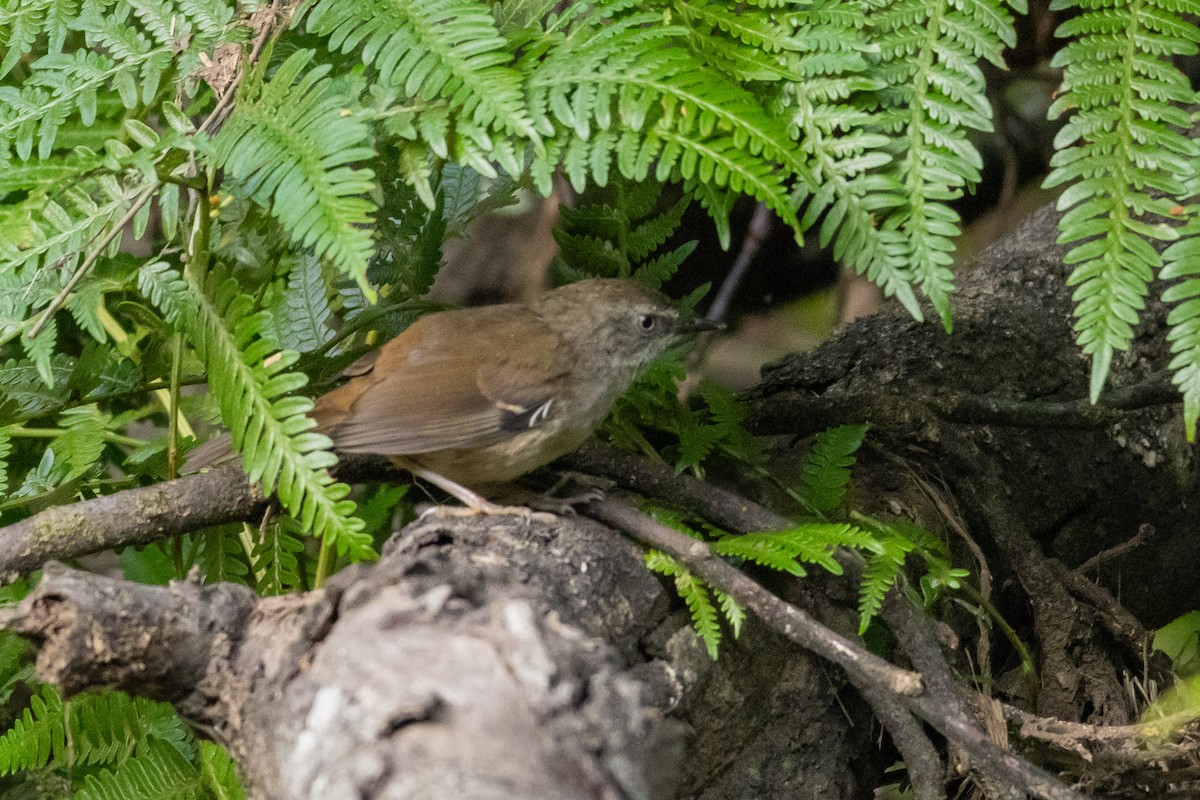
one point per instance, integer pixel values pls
(130, 517)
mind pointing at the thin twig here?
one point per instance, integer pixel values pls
(1144, 532)
(756, 234)
(787, 619)
(260, 41)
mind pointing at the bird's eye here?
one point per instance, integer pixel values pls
(646, 322)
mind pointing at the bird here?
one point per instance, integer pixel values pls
(467, 398)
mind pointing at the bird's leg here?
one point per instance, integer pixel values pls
(476, 504)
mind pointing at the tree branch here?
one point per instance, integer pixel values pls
(905, 687)
(130, 517)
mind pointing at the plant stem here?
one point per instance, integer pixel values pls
(121, 339)
(324, 564)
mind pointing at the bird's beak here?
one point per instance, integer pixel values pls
(699, 325)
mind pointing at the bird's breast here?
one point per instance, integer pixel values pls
(507, 460)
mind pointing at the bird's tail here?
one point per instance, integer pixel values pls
(213, 453)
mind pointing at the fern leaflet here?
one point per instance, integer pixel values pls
(827, 468)
(1127, 161)
(266, 421)
(291, 148)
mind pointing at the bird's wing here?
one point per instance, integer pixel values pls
(454, 379)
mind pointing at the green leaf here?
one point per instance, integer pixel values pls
(292, 149)
(267, 423)
(160, 772)
(827, 468)
(218, 773)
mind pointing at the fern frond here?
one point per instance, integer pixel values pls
(5, 452)
(1183, 262)
(219, 773)
(694, 593)
(934, 97)
(275, 563)
(105, 728)
(446, 49)
(37, 736)
(786, 550)
(1122, 149)
(882, 571)
(733, 611)
(222, 557)
(21, 383)
(630, 73)
(157, 773)
(827, 469)
(291, 149)
(613, 238)
(109, 727)
(83, 442)
(43, 229)
(843, 183)
(267, 423)
(704, 614)
(302, 311)
(119, 57)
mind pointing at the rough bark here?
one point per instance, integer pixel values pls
(997, 416)
(475, 660)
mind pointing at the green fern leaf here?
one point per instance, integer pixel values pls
(809, 542)
(158, 773)
(40, 350)
(934, 96)
(275, 558)
(880, 575)
(432, 50)
(1121, 151)
(59, 230)
(21, 383)
(222, 557)
(291, 148)
(733, 611)
(704, 614)
(694, 593)
(267, 422)
(218, 773)
(827, 469)
(302, 312)
(37, 736)
(5, 452)
(1183, 262)
(82, 444)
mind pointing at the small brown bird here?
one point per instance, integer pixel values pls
(478, 396)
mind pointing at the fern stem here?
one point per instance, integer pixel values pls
(20, 432)
(1028, 665)
(121, 338)
(323, 564)
(247, 540)
(173, 414)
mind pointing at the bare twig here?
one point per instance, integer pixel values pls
(270, 14)
(1143, 534)
(787, 619)
(131, 517)
(756, 234)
